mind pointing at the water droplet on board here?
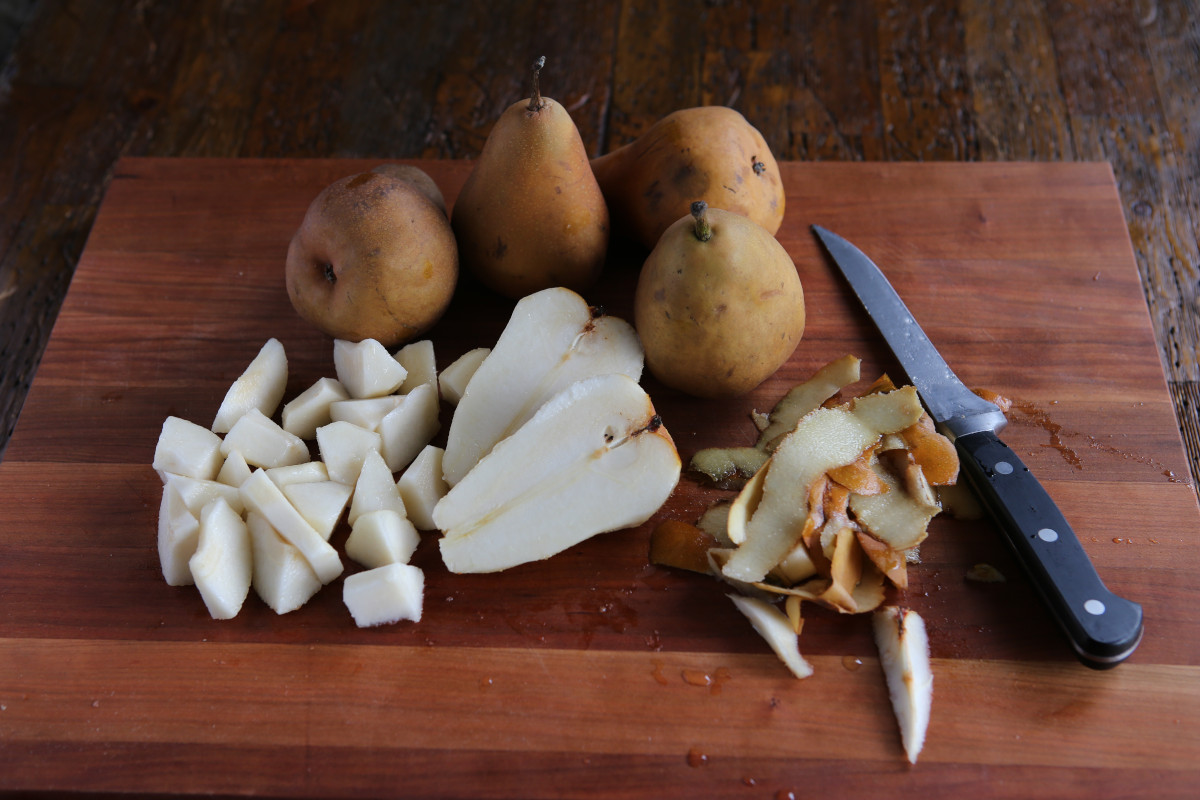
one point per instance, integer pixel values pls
(852, 663)
(696, 758)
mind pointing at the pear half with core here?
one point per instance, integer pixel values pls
(552, 339)
(719, 305)
(594, 458)
(531, 214)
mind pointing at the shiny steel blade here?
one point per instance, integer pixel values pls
(954, 407)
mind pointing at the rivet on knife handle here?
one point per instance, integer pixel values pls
(1102, 628)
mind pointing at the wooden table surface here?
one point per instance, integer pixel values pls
(85, 83)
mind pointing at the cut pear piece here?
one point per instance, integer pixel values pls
(261, 495)
(382, 537)
(234, 470)
(824, 439)
(196, 494)
(375, 490)
(744, 505)
(343, 447)
(321, 503)
(594, 458)
(185, 448)
(308, 472)
(263, 443)
(904, 653)
(422, 486)
(260, 387)
(366, 368)
(552, 340)
(178, 531)
(310, 409)
(222, 563)
(385, 595)
(779, 632)
(454, 378)
(420, 363)
(410, 426)
(365, 413)
(282, 577)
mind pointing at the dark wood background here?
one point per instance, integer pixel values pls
(87, 81)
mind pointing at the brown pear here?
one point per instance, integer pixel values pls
(719, 305)
(709, 153)
(530, 215)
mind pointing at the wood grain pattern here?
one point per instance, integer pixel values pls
(594, 673)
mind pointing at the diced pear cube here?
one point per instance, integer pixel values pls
(343, 447)
(365, 413)
(308, 472)
(419, 360)
(282, 577)
(375, 489)
(178, 533)
(234, 470)
(410, 427)
(222, 563)
(366, 368)
(382, 537)
(321, 503)
(196, 494)
(260, 387)
(454, 378)
(263, 443)
(385, 595)
(310, 409)
(261, 495)
(185, 448)
(422, 485)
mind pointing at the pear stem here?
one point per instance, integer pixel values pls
(535, 94)
(702, 229)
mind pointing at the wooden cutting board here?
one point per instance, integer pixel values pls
(595, 673)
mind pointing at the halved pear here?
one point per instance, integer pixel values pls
(594, 458)
(904, 653)
(261, 387)
(552, 339)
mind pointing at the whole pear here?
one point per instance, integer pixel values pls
(708, 153)
(530, 215)
(374, 257)
(719, 305)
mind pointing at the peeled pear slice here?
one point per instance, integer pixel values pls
(824, 439)
(779, 631)
(552, 339)
(594, 458)
(261, 387)
(904, 652)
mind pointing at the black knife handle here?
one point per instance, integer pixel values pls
(1104, 629)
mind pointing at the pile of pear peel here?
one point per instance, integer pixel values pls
(835, 499)
(244, 504)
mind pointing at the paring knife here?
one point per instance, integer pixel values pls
(1103, 629)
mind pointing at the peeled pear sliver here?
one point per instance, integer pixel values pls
(744, 504)
(826, 438)
(774, 626)
(904, 652)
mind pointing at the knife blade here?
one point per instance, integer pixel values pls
(1102, 628)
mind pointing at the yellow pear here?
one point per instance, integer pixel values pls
(708, 153)
(374, 257)
(530, 215)
(719, 305)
